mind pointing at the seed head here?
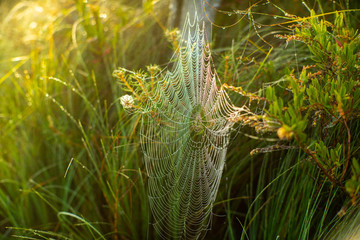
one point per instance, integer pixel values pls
(127, 101)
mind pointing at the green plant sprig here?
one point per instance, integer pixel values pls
(326, 93)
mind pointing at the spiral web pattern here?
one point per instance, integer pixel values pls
(184, 137)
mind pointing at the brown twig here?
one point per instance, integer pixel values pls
(312, 155)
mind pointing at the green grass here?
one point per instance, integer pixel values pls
(70, 160)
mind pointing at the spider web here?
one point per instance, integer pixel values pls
(185, 133)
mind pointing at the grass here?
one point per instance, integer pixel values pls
(68, 149)
(70, 160)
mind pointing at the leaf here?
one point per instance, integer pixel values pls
(356, 166)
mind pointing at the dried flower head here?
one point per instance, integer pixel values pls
(127, 101)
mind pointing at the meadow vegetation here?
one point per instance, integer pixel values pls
(71, 165)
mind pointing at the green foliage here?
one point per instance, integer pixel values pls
(70, 159)
(353, 184)
(314, 110)
(324, 98)
(70, 167)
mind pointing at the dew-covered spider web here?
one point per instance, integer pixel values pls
(185, 133)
